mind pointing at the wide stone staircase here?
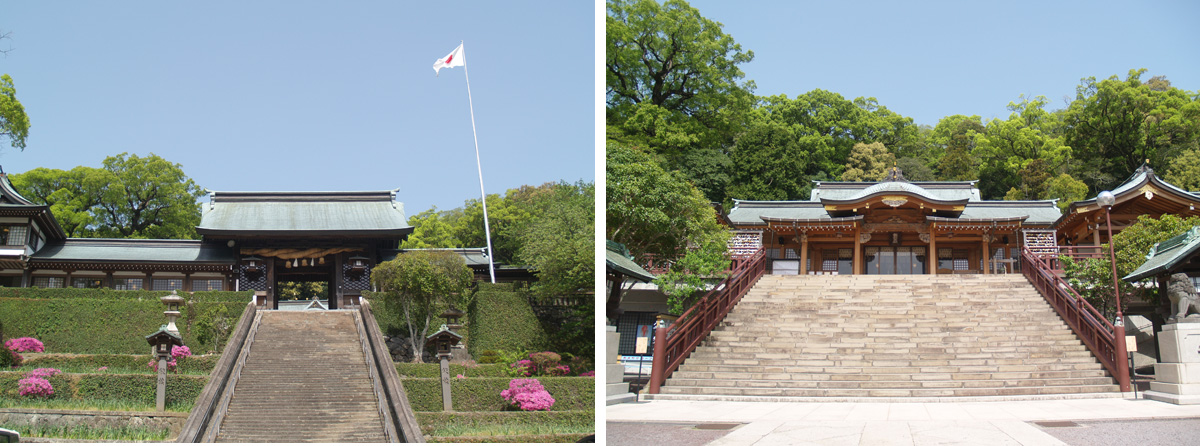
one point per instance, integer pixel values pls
(305, 379)
(816, 337)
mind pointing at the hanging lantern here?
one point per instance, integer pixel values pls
(304, 263)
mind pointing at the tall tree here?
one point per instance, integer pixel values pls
(433, 229)
(418, 283)
(1114, 126)
(14, 123)
(868, 162)
(954, 136)
(1185, 170)
(651, 210)
(130, 197)
(559, 242)
(768, 161)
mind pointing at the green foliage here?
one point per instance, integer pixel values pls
(182, 390)
(104, 321)
(1114, 125)
(694, 273)
(7, 357)
(89, 363)
(433, 229)
(506, 425)
(1065, 189)
(418, 282)
(489, 357)
(1093, 278)
(408, 370)
(868, 162)
(14, 123)
(560, 242)
(500, 318)
(129, 197)
(651, 210)
(483, 394)
(768, 159)
(124, 434)
(1185, 170)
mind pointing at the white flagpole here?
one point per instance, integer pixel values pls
(487, 231)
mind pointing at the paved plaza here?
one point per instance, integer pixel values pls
(1050, 422)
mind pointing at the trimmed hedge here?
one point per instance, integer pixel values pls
(109, 294)
(391, 318)
(410, 370)
(483, 394)
(198, 364)
(431, 421)
(139, 389)
(114, 323)
(500, 318)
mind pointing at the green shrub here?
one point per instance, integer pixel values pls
(500, 318)
(483, 394)
(108, 294)
(490, 357)
(103, 325)
(182, 390)
(410, 370)
(197, 364)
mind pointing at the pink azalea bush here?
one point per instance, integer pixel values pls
(178, 351)
(25, 345)
(101, 369)
(36, 383)
(591, 373)
(527, 394)
(35, 386)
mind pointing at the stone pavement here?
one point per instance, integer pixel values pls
(999, 422)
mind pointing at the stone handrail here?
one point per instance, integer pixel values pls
(385, 414)
(202, 412)
(402, 413)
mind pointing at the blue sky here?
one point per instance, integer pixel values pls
(928, 60)
(271, 95)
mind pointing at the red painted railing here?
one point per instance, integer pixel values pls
(673, 345)
(1087, 323)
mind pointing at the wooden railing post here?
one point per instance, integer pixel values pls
(659, 361)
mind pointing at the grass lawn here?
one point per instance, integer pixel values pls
(122, 433)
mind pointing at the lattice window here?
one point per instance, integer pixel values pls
(13, 235)
(86, 282)
(353, 281)
(168, 284)
(127, 284)
(208, 285)
(256, 281)
(49, 282)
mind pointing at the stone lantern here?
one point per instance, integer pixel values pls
(443, 341)
(172, 302)
(451, 316)
(162, 341)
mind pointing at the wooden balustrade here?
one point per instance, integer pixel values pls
(672, 346)
(1096, 332)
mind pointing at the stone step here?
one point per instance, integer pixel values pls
(757, 368)
(882, 393)
(887, 376)
(877, 384)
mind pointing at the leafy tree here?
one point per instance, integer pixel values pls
(1093, 278)
(868, 162)
(14, 123)
(433, 229)
(767, 160)
(1021, 152)
(694, 273)
(1185, 170)
(1114, 125)
(289, 290)
(560, 242)
(130, 197)
(665, 62)
(955, 137)
(1065, 189)
(651, 210)
(914, 169)
(419, 282)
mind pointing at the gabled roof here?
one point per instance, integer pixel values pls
(94, 250)
(1039, 212)
(13, 204)
(1166, 256)
(933, 190)
(617, 258)
(369, 213)
(1141, 177)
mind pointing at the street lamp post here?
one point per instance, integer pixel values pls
(1106, 200)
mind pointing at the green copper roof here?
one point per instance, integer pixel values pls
(303, 213)
(617, 258)
(135, 250)
(1166, 255)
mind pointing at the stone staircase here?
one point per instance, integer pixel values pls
(305, 379)
(846, 337)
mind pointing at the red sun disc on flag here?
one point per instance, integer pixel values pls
(449, 58)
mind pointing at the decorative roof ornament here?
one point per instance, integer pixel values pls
(894, 175)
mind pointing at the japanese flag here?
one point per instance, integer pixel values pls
(454, 59)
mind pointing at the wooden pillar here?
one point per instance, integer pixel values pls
(339, 278)
(803, 253)
(148, 282)
(26, 278)
(986, 256)
(856, 267)
(271, 302)
(187, 282)
(108, 279)
(67, 281)
(1096, 235)
(932, 258)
